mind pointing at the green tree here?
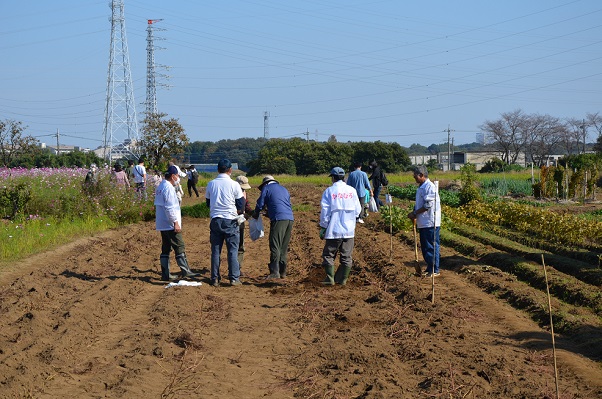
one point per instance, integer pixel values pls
(418, 149)
(162, 139)
(469, 191)
(13, 143)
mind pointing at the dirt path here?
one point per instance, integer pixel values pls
(91, 320)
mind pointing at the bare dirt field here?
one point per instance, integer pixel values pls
(91, 319)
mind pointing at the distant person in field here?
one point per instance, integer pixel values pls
(339, 210)
(169, 223)
(193, 180)
(120, 177)
(129, 171)
(358, 179)
(225, 200)
(140, 179)
(427, 213)
(91, 180)
(277, 201)
(379, 180)
(246, 213)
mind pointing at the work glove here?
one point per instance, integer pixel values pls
(322, 233)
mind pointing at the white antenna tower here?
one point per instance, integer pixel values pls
(266, 125)
(151, 73)
(121, 125)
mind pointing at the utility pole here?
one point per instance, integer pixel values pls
(306, 135)
(58, 146)
(448, 147)
(583, 132)
(266, 125)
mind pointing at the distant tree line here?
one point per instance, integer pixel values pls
(539, 135)
(296, 156)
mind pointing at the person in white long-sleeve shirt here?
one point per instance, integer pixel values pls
(340, 209)
(169, 222)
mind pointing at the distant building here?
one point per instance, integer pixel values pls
(63, 149)
(422, 159)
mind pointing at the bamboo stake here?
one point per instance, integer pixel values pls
(551, 327)
(434, 243)
(389, 201)
(417, 265)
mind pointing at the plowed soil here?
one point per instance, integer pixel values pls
(91, 319)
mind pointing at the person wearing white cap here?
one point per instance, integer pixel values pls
(339, 210)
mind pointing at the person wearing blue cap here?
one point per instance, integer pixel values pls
(169, 222)
(225, 200)
(339, 209)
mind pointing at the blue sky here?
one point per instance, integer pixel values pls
(386, 70)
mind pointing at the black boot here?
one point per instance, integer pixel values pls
(282, 269)
(274, 271)
(183, 263)
(165, 276)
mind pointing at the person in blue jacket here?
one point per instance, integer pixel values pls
(358, 179)
(277, 201)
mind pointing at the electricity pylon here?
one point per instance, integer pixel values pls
(120, 133)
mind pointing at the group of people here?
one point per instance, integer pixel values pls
(342, 206)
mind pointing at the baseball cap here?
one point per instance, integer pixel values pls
(172, 170)
(244, 182)
(336, 171)
(224, 164)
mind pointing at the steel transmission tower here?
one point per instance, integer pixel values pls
(151, 73)
(121, 124)
(266, 125)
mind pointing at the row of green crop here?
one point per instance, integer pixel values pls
(561, 228)
(586, 272)
(569, 290)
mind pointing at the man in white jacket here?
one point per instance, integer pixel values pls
(340, 208)
(169, 223)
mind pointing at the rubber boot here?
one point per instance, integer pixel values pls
(241, 258)
(274, 271)
(165, 276)
(329, 280)
(282, 268)
(342, 275)
(183, 263)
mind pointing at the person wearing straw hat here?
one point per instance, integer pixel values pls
(339, 209)
(277, 201)
(244, 185)
(427, 213)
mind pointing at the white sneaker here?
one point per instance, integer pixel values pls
(360, 220)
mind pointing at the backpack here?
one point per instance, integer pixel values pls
(383, 178)
(195, 177)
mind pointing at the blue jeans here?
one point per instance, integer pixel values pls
(224, 230)
(379, 203)
(428, 237)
